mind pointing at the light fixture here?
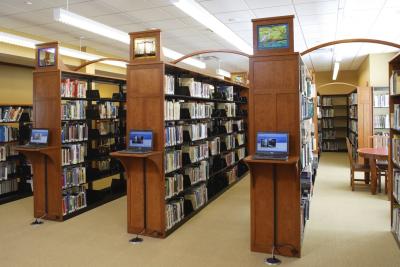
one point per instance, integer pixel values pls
(31, 43)
(223, 73)
(196, 11)
(335, 70)
(86, 24)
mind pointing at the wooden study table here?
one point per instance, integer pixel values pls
(371, 155)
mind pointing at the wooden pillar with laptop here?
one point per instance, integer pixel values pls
(275, 119)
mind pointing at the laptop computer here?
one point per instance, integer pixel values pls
(39, 138)
(272, 145)
(140, 141)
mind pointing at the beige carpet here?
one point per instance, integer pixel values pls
(346, 229)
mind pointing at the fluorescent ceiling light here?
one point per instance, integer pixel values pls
(196, 11)
(89, 25)
(223, 73)
(335, 70)
(30, 43)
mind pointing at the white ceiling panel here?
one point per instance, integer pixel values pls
(392, 3)
(93, 8)
(168, 24)
(240, 26)
(219, 6)
(116, 19)
(129, 5)
(236, 16)
(253, 4)
(330, 18)
(364, 4)
(151, 14)
(133, 27)
(41, 17)
(316, 8)
(274, 11)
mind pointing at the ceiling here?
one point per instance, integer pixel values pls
(317, 21)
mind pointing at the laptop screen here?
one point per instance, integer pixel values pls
(140, 139)
(39, 136)
(270, 142)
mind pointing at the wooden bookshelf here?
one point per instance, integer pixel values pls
(393, 167)
(66, 199)
(280, 104)
(380, 101)
(360, 119)
(333, 122)
(147, 95)
(17, 184)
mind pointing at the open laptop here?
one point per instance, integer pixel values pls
(39, 138)
(272, 145)
(140, 141)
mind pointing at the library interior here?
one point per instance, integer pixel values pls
(199, 133)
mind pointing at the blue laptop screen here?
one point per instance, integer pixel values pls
(268, 142)
(39, 136)
(142, 139)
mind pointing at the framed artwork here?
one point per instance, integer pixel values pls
(46, 57)
(145, 47)
(273, 36)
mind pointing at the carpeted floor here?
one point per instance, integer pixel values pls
(346, 229)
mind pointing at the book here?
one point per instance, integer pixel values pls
(75, 176)
(230, 108)
(169, 84)
(173, 185)
(197, 110)
(196, 131)
(196, 89)
(172, 110)
(198, 173)
(197, 196)
(73, 88)
(7, 168)
(73, 110)
(11, 114)
(107, 110)
(73, 132)
(174, 212)
(173, 135)
(227, 92)
(381, 101)
(196, 152)
(8, 186)
(172, 160)
(381, 121)
(396, 184)
(73, 154)
(215, 146)
(8, 133)
(7, 150)
(73, 199)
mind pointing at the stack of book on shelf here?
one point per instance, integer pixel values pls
(396, 149)
(7, 150)
(195, 153)
(198, 173)
(353, 99)
(194, 110)
(73, 110)
(197, 196)
(74, 199)
(396, 203)
(8, 133)
(174, 212)
(7, 169)
(173, 185)
(381, 121)
(73, 88)
(215, 146)
(173, 160)
(172, 110)
(330, 112)
(10, 114)
(108, 110)
(196, 88)
(195, 131)
(173, 135)
(396, 116)
(326, 101)
(74, 132)
(73, 154)
(381, 101)
(71, 177)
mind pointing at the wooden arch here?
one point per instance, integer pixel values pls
(337, 83)
(210, 51)
(100, 60)
(354, 40)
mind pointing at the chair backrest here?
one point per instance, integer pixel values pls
(350, 152)
(378, 141)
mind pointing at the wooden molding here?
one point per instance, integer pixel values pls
(99, 60)
(337, 83)
(354, 40)
(230, 51)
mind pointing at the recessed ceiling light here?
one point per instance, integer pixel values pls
(28, 2)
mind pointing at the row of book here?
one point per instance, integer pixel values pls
(396, 149)
(381, 121)
(197, 110)
(381, 101)
(353, 125)
(232, 175)
(241, 152)
(169, 84)
(329, 134)
(73, 199)
(7, 150)
(173, 185)
(197, 89)
(8, 133)
(107, 127)
(73, 176)
(173, 135)
(196, 152)
(328, 112)
(73, 132)
(174, 212)
(229, 141)
(73, 154)
(73, 110)
(229, 108)
(73, 88)
(197, 196)
(10, 114)
(330, 146)
(353, 99)
(107, 110)
(326, 101)
(353, 112)
(215, 146)
(396, 184)
(198, 173)
(396, 221)
(7, 168)
(327, 123)
(196, 131)
(101, 165)
(8, 186)
(172, 160)
(172, 110)
(396, 116)
(307, 108)
(229, 158)
(394, 83)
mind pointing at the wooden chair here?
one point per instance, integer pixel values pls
(354, 166)
(378, 141)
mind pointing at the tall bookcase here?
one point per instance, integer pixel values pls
(333, 122)
(381, 123)
(360, 119)
(394, 148)
(84, 126)
(199, 122)
(15, 171)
